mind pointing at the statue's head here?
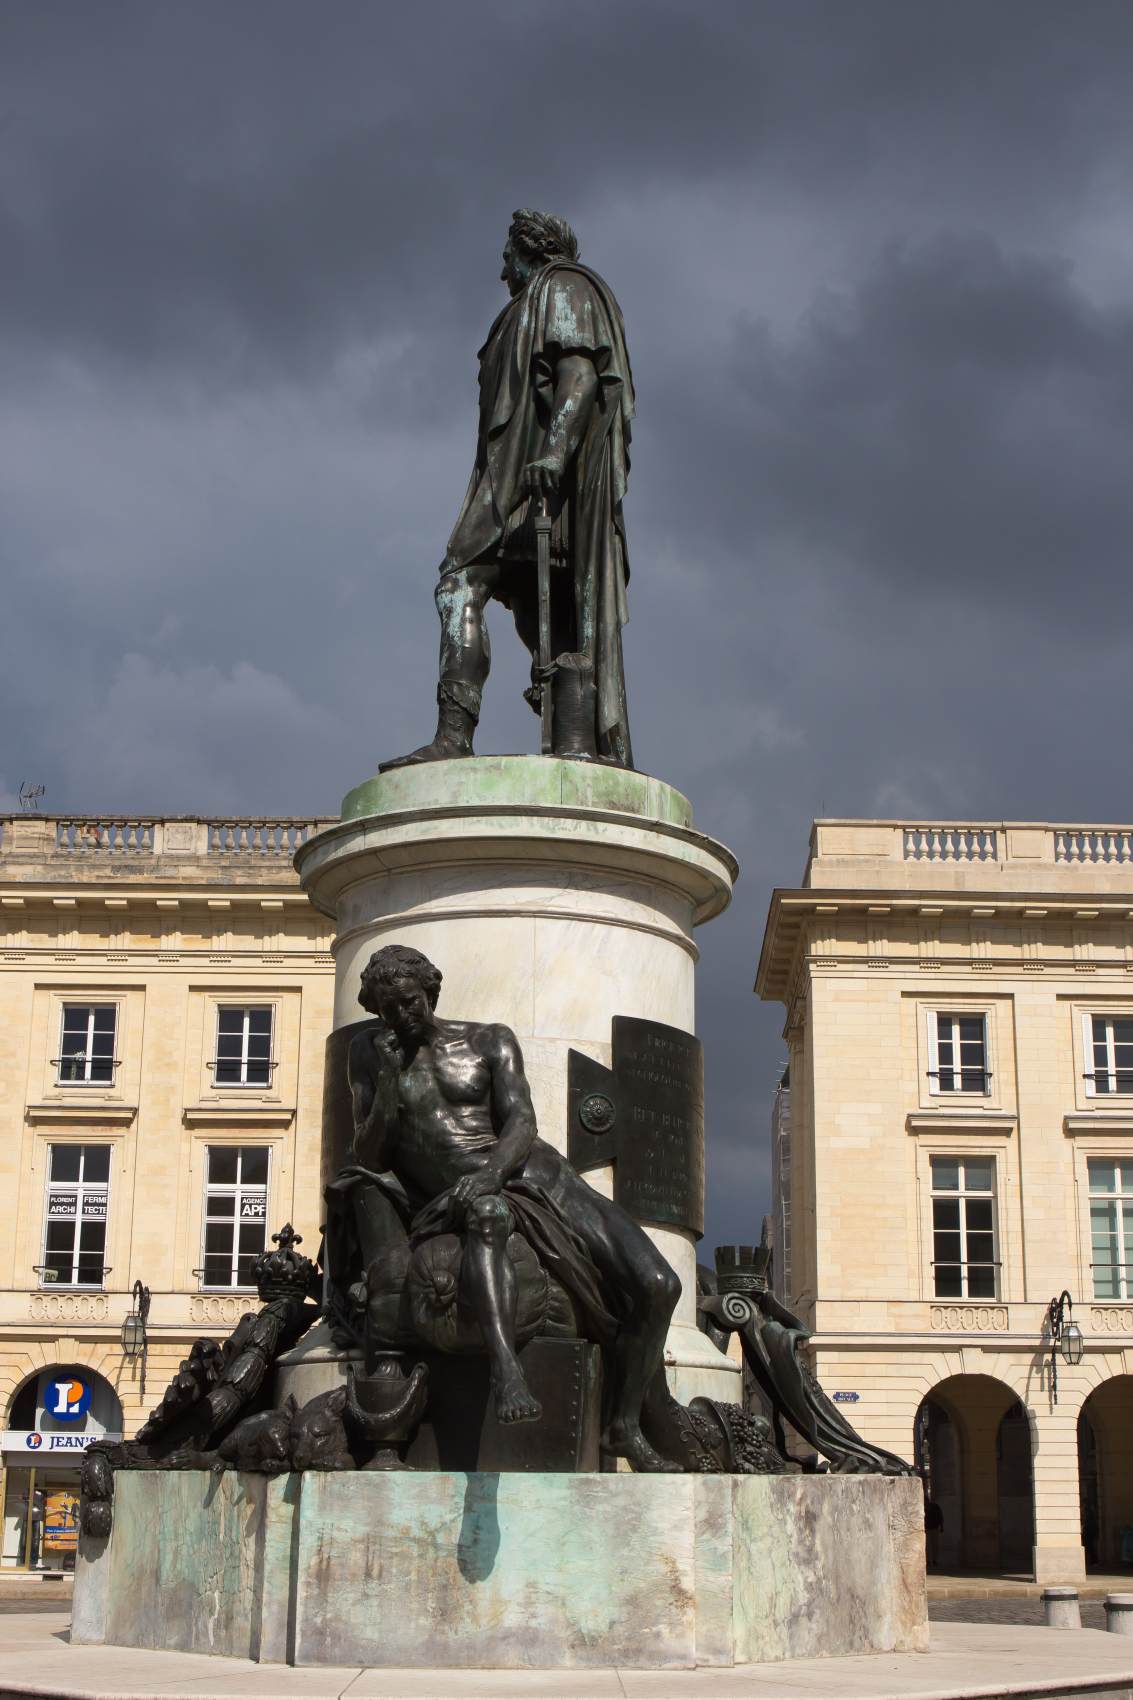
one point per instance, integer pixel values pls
(534, 239)
(402, 987)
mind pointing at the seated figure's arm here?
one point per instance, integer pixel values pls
(512, 1112)
(371, 1069)
(511, 1105)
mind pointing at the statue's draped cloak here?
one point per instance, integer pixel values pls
(564, 309)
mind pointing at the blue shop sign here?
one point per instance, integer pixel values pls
(37, 1440)
(68, 1400)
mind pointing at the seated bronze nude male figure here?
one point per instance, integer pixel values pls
(445, 1141)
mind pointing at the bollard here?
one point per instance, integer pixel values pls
(1119, 1613)
(1060, 1608)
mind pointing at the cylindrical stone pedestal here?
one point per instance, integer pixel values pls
(552, 895)
(1061, 1609)
(1119, 1613)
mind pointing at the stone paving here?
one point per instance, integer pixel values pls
(967, 1661)
(1020, 1610)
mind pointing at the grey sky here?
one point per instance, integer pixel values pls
(876, 266)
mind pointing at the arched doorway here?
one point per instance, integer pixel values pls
(936, 1451)
(973, 1446)
(51, 1420)
(1105, 1474)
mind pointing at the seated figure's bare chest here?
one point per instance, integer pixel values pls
(450, 1073)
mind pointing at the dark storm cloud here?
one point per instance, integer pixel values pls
(878, 287)
(960, 402)
(263, 183)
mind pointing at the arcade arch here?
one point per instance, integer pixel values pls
(1105, 1473)
(974, 1448)
(51, 1418)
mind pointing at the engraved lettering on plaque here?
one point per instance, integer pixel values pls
(653, 1131)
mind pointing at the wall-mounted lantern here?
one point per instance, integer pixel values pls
(1065, 1337)
(134, 1341)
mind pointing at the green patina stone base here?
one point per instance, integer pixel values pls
(495, 782)
(507, 1571)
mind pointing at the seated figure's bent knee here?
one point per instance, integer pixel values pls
(489, 1217)
(661, 1288)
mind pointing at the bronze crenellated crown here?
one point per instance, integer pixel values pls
(742, 1268)
(285, 1273)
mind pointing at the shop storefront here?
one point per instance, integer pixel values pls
(52, 1420)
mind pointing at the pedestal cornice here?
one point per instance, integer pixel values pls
(498, 808)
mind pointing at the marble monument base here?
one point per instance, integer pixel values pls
(553, 896)
(507, 1571)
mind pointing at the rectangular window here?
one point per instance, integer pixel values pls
(1111, 1226)
(74, 1241)
(957, 1049)
(964, 1261)
(86, 1045)
(1109, 1050)
(236, 1208)
(243, 1045)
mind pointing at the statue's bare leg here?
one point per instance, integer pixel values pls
(649, 1289)
(491, 1288)
(466, 660)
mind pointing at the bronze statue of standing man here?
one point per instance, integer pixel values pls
(556, 400)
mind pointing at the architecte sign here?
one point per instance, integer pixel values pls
(27, 1442)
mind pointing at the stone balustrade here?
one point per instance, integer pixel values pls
(949, 844)
(128, 836)
(1017, 856)
(1088, 844)
(91, 851)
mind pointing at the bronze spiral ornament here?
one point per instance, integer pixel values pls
(736, 1310)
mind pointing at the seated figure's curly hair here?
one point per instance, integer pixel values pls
(397, 962)
(544, 236)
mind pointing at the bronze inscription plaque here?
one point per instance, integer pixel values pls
(653, 1128)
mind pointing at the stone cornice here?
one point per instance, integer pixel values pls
(1098, 1122)
(87, 1112)
(239, 1115)
(900, 913)
(140, 892)
(959, 1121)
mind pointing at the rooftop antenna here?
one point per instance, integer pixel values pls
(29, 796)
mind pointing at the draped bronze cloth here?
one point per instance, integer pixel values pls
(564, 309)
(536, 1216)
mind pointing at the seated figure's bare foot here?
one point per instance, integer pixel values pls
(515, 1402)
(625, 1440)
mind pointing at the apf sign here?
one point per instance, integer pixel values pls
(67, 1401)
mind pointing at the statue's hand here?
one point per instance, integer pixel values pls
(387, 1047)
(543, 477)
(478, 1185)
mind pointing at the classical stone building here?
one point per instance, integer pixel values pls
(957, 1152)
(165, 994)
